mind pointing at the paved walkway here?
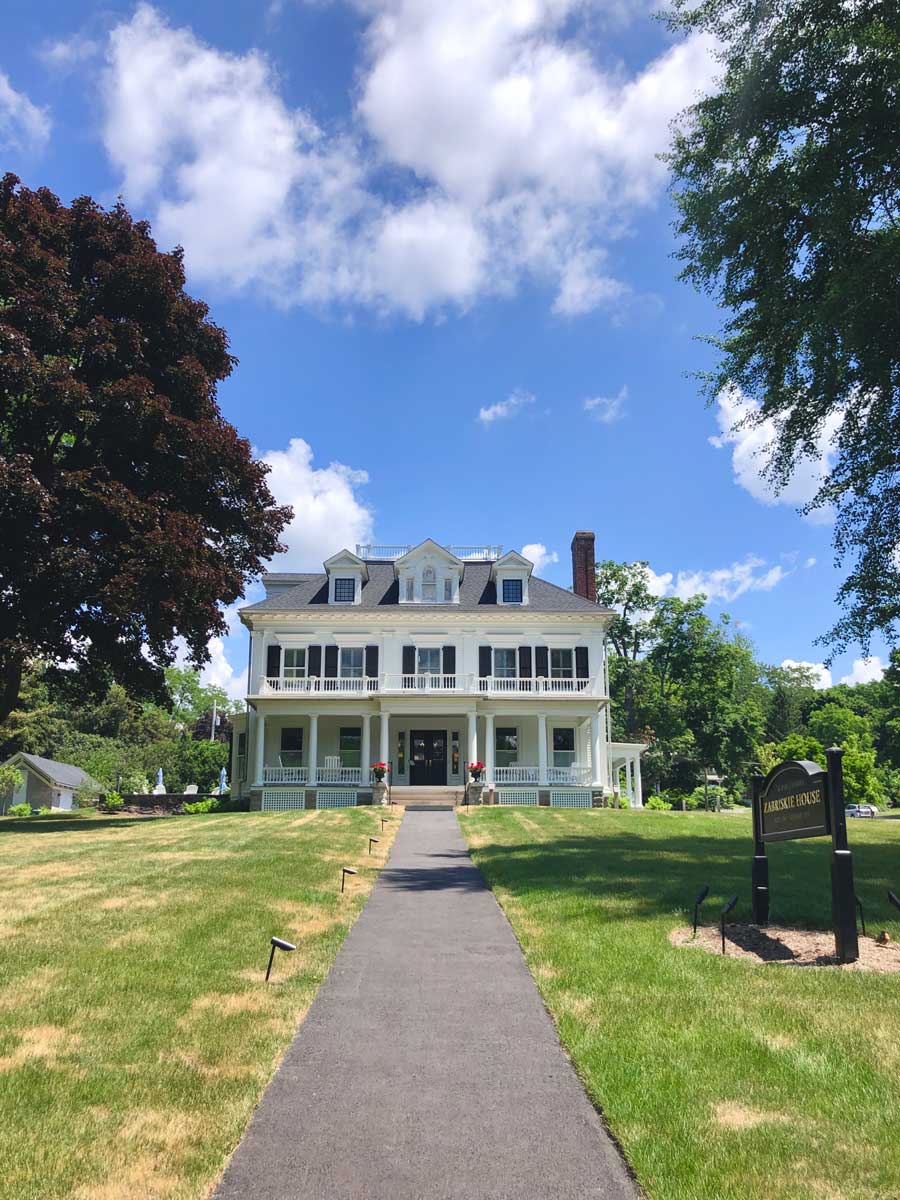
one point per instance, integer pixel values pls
(427, 1068)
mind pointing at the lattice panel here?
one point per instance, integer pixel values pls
(281, 799)
(510, 795)
(569, 798)
(335, 798)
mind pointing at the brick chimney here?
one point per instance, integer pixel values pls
(583, 560)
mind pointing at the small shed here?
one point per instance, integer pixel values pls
(48, 784)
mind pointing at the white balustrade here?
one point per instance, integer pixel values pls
(496, 685)
(347, 775)
(426, 683)
(574, 774)
(491, 685)
(316, 685)
(285, 774)
(519, 774)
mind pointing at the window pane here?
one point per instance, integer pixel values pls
(448, 590)
(292, 747)
(563, 747)
(429, 592)
(351, 747)
(512, 591)
(294, 664)
(344, 590)
(428, 662)
(351, 662)
(505, 664)
(506, 742)
(561, 664)
(410, 588)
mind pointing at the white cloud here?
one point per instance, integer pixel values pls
(67, 53)
(607, 409)
(864, 670)
(752, 440)
(821, 672)
(537, 553)
(328, 513)
(722, 584)
(504, 409)
(809, 562)
(23, 126)
(512, 156)
(658, 585)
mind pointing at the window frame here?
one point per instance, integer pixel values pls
(293, 671)
(515, 583)
(563, 729)
(340, 580)
(283, 750)
(562, 672)
(505, 672)
(356, 732)
(344, 673)
(506, 729)
(435, 653)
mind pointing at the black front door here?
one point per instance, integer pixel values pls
(428, 757)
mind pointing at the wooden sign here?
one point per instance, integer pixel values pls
(794, 803)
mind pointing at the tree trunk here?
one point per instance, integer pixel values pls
(10, 682)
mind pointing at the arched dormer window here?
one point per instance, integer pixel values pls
(429, 586)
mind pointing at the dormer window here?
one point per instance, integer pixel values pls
(347, 574)
(428, 574)
(344, 591)
(429, 586)
(512, 591)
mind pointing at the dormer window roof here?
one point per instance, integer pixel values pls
(511, 574)
(347, 573)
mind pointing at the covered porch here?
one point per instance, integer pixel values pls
(625, 770)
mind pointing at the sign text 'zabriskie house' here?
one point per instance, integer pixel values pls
(430, 658)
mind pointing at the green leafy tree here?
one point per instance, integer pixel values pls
(625, 587)
(130, 510)
(833, 725)
(788, 192)
(10, 779)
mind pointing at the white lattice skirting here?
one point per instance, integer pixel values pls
(510, 795)
(566, 798)
(281, 799)
(335, 798)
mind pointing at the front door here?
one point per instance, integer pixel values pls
(428, 758)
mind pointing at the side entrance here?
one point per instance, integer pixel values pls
(428, 758)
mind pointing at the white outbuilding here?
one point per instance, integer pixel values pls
(48, 784)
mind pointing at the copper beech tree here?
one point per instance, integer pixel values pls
(130, 510)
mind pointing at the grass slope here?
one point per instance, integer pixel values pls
(721, 1080)
(136, 1033)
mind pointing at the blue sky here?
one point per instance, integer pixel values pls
(440, 240)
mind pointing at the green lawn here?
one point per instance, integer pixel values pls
(721, 1080)
(136, 1033)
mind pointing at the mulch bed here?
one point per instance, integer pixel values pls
(787, 947)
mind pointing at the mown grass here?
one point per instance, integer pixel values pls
(136, 1032)
(721, 1080)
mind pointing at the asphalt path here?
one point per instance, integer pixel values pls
(427, 1065)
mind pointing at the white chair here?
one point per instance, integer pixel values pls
(332, 762)
(191, 789)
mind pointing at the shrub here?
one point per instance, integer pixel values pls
(657, 803)
(45, 810)
(113, 802)
(210, 804)
(20, 810)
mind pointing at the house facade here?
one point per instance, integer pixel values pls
(429, 658)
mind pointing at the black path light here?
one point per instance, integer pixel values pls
(892, 897)
(722, 915)
(345, 871)
(277, 944)
(701, 896)
(862, 915)
(371, 840)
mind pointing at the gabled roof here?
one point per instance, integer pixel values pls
(512, 558)
(56, 773)
(429, 546)
(346, 558)
(477, 592)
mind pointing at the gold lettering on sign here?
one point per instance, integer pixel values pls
(798, 800)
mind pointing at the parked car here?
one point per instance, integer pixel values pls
(861, 810)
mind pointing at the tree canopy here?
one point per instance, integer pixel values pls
(130, 510)
(787, 182)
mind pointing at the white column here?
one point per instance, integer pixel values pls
(313, 756)
(473, 737)
(629, 780)
(597, 747)
(366, 748)
(260, 746)
(638, 787)
(489, 748)
(542, 749)
(384, 753)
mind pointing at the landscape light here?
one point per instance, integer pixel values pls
(724, 913)
(892, 896)
(862, 915)
(277, 944)
(345, 871)
(701, 896)
(371, 840)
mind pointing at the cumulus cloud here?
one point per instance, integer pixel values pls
(864, 670)
(752, 440)
(819, 670)
(23, 126)
(504, 409)
(607, 409)
(328, 512)
(513, 157)
(537, 553)
(721, 584)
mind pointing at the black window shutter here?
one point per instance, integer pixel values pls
(409, 660)
(448, 657)
(273, 661)
(484, 662)
(524, 662)
(542, 662)
(581, 662)
(331, 661)
(372, 662)
(314, 660)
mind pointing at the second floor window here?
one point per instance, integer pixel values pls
(561, 664)
(505, 664)
(351, 662)
(512, 591)
(294, 664)
(428, 661)
(344, 591)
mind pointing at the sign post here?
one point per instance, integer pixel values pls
(801, 800)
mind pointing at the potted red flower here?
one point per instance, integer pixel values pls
(379, 770)
(475, 770)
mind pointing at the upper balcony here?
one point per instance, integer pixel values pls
(508, 687)
(390, 553)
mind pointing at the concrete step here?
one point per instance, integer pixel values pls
(427, 797)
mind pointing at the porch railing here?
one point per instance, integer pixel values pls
(461, 684)
(427, 683)
(516, 775)
(318, 685)
(285, 774)
(350, 775)
(498, 685)
(576, 774)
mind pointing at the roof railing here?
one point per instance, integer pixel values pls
(389, 553)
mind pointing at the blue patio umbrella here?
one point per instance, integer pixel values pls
(159, 778)
(223, 780)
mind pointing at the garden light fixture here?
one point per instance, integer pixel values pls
(701, 896)
(277, 944)
(345, 871)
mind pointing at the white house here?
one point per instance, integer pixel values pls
(48, 784)
(430, 658)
